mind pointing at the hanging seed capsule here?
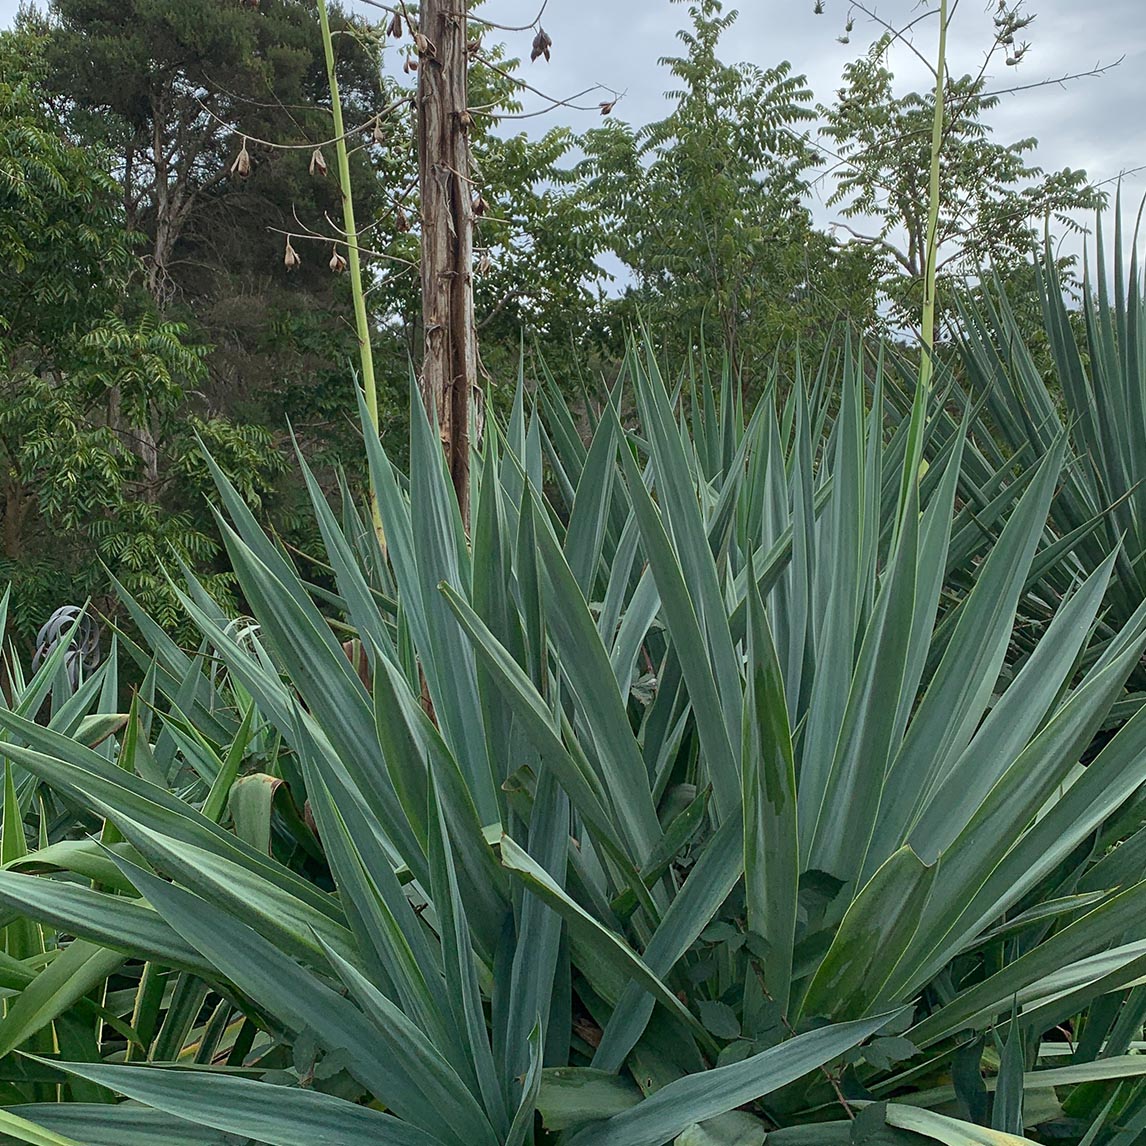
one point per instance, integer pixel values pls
(242, 164)
(480, 206)
(484, 263)
(423, 45)
(395, 29)
(377, 135)
(401, 222)
(542, 42)
(337, 262)
(607, 106)
(317, 162)
(290, 257)
(472, 48)
(411, 65)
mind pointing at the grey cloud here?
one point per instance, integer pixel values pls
(1095, 123)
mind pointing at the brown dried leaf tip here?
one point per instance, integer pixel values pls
(337, 262)
(542, 42)
(395, 29)
(290, 257)
(317, 162)
(242, 164)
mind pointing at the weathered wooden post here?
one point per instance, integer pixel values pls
(449, 365)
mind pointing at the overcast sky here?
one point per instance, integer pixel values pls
(1097, 123)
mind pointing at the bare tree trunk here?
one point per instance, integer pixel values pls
(142, 439)
(449, 365)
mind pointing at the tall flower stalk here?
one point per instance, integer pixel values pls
(911, 471)
(354, 262)
(926, 367)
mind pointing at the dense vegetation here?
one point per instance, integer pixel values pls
(756, 756)
(200, 328)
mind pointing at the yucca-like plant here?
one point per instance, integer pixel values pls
(674, 806)
(1096, 396)
(87, 998)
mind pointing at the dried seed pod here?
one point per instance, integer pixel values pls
(607, 106)
(290, 257)
(410, 65)
(480, 206)
(542, 42)
(377, 134)
(317, 162)
(337, 262)
(242, 164)
(395, 29)
(464, 120)
(484, 264)
(400, 221)
(424, 45)
(473, 47)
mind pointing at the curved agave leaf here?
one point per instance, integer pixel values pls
(707, 1094)
(279, 1116)
(1100, 371)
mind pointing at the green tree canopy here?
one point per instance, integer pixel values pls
(706, 207)
(87, 369)
(995, 198)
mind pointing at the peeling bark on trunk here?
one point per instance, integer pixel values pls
(449, 365)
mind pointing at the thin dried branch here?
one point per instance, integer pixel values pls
(900, 34)
(1124, 173)
(1097, 70)
(535, 23)
(388, 279)
(391, 8)
(251, 102)
(315, 236)
(553, 100)
(350, 133)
